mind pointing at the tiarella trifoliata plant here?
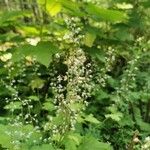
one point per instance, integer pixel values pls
(72, 87)
(74, 75)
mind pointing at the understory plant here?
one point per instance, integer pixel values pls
(74, 75)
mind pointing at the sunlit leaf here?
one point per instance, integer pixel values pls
(101, 14)
(54, 8)
(89, 39)
(90, 118)
(116, 116)
(48, 106)
(37, 83)
(72, 8)
(90, 143)
(9, 16)
(13, 105)
(42, 52)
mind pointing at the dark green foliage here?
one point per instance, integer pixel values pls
(74, 75)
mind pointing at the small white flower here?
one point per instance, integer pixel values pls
(33, 41)
(57, 55)
(136, 140)
(6, 57)
(124, 6)
(147, 139)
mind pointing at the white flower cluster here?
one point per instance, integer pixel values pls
(78, 75)
(70, 99)
(146, 145)
(33, 41)
(19, 108)
(5, 57)
(124, 6)
(142, 43)
(74, 35)
(128, 80)
(110, 58)
(7, 45)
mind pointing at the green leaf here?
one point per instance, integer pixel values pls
(96, 54)
(10, 16)
(89, 39)
(134, 96)
(116, 116)
(37, 83)
(70, 142)
(144, 126)
(48, 106)
(42, 52)
(113, 82)
(11, 89)
(90, 118)
(53, 7)
(28, 30)
(101, 94)
(101, 14)
(8, 36)
(3, 120)
(72, 8)
(13, 106)
(124, 35)
(76, 137)
(90, 143)
(126, 121)
(5, 140)
(76, 106)
(34, 98)
(145, 4)
(70, 145)
(43, 147)
(41, 2)
(145, 96)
